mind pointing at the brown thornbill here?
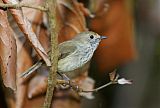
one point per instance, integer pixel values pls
(74, 54)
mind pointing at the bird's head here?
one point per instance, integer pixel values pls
(90, 37)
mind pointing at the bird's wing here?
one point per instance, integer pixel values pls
(66, 48)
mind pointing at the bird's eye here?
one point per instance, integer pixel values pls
(91, 36)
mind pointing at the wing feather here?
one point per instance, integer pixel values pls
(66, 48)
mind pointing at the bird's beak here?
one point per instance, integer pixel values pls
(103, 37)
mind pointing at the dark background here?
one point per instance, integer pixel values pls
(144, 70)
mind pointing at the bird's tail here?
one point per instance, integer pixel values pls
(32, 69)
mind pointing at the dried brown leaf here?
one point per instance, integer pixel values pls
(8, 52)
(86, 11)
(24, 61)
(44, 38)
(29, 12)
(26, 28)
(37, 86)
(66, 99)
(21, 93)
(41, 30)
(87, 84)
(112, 75)
(71, 19)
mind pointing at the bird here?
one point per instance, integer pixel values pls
(75, 54)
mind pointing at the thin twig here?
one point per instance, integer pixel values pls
(99, 88)
(19, 5)
(52, 81)
(62, 82)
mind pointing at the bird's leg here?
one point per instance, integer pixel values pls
(65, 77)
(71, 84)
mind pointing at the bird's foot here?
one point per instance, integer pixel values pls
(71, 84)
(74, 86)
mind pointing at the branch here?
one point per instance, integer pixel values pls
(101, 87)
(52, 81)
(76, 88)
(19, 5)
(120, 81)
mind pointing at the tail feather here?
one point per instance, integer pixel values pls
(31, 69)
